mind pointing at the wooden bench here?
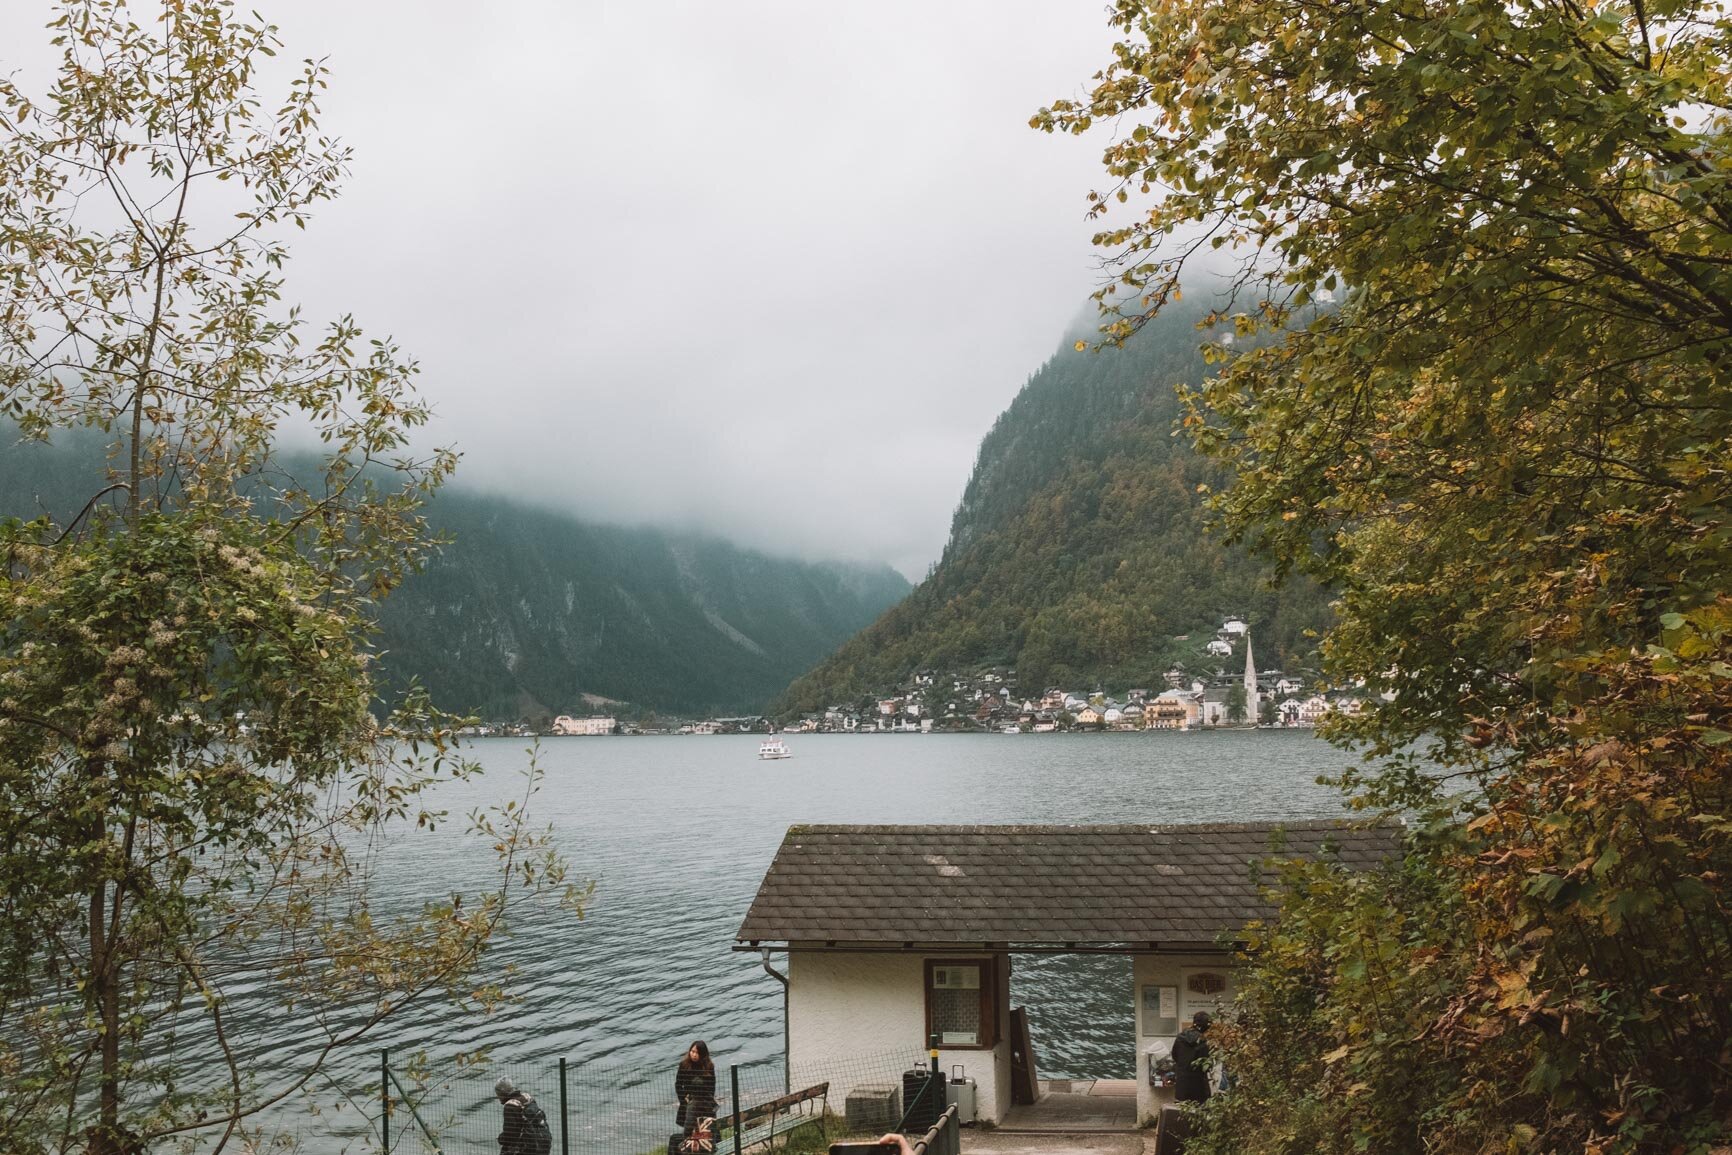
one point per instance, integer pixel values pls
(761, 1124)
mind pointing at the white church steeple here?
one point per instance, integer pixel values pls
(1250, 679)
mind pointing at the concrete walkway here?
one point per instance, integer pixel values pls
(1073, 1117)
(999, 1142)
(1078, 1105)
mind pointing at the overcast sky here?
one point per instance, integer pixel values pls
(765, 268)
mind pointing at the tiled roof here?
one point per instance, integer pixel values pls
(1036, 885)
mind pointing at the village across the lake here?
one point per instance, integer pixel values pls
(1223, 688)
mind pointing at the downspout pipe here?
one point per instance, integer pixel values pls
(787, 1073)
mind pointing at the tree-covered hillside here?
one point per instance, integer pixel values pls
(526, 610)
(1079, 551)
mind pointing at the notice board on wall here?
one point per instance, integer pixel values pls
(1160, 1010)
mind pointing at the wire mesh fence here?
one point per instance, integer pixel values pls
(431, 1106)
(435, 1107)
(449, 1107)
(869, 1094)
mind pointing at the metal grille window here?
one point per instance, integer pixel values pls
(960, 1007)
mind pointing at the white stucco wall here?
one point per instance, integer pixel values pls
(1157, 970)
(990, 1071)
(999, 1082)
(848, 1013)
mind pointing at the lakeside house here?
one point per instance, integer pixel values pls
(1173, 710)
(566, 725)
(898, 937)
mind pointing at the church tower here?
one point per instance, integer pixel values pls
(1250, 679)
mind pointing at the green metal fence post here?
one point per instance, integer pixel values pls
(734, 1078)
(385, 1099)
(415, 1115)
(564, 1114)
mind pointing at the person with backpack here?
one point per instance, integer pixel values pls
(1191, 1061)
(525, 1131)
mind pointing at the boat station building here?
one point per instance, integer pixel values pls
(900, 937)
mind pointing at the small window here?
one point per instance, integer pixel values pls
(960, 1008)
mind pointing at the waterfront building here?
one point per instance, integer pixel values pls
(595, 724)
(1173, 710)
(1213, 706)
(901, 937)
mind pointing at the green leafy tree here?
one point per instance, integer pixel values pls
(1236, 703)
(192, 779)
(518, 563)
(1506, 444)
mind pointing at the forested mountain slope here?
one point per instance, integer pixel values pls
(1079, 552)
(527, 610)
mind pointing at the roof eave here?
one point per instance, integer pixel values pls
(842, 946)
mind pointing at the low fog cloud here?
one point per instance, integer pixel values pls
(764, 268)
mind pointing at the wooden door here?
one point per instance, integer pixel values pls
(1024, 1081)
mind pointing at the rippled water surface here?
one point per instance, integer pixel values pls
(677, 832)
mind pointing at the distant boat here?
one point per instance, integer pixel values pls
(775, 748)
(1010, 729)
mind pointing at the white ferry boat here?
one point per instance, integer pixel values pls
(775, 748)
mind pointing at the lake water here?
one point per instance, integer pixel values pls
(676, 834)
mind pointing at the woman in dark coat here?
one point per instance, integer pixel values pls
(1191, 1061)
(695, 1086)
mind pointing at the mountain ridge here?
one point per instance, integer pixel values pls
(530, 612)
(675, 621)
(1079, 551)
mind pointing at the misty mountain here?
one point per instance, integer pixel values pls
(1079, 553)
(527, 611)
